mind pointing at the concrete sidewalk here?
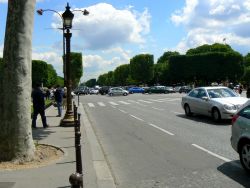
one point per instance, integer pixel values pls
(56, 175)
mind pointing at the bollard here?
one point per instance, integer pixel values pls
(76, 179)
(78, 147)
(78, 98)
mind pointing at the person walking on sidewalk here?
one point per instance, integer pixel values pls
(59, 99)
(38, 106)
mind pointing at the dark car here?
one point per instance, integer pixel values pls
(185, 89)
(82, 91)
(104, 90)
(156, 89)
(136, 90)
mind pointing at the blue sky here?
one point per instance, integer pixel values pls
(116, 30)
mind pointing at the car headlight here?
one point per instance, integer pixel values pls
(229, 107)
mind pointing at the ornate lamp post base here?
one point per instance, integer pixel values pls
(68, 120)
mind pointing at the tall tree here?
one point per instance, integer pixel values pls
(165, 57)
(15, 128)
(39, 72)
(142, 68)
(76, 68)
(121, 74)
(91, 82)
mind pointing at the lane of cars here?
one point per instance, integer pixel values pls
(216, 102)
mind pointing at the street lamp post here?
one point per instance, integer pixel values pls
(67, 18)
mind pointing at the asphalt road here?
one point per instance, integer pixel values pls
(149, 143)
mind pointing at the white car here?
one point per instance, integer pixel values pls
(117, 91)
(240, 139)
(93, 91)
(217, 102)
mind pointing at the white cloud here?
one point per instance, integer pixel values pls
(3, 1)
(212, 20)
(107, 26)
(95, 65)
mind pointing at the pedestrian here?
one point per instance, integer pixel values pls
(240, 89)
(48, 93)
(38, 106)
(59, 99)
(248, 91)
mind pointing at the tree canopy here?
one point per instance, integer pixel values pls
(76, 68)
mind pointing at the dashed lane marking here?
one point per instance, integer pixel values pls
(145, 101)
(123, 102)
(136, 117)
(113, 103)
(91, 105)
(161, 129)
(211, 153)
(101, 104)
(161, 109)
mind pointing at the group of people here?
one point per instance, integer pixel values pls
(38, 97)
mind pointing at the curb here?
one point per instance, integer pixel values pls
(103, 173)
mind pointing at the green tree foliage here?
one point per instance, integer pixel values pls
(60, 81)
(246, 60)
(52, 76)
(1, 69)
(91, 82)
(121, 74)
(206, 67)
(39, 72)
(161, 74)
(142, 68)
(76, 68)
(102, 79)
(165, 57)
(206, 48)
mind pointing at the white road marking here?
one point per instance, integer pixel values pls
(101, 104)
(123, 111)
(91, 105)
(113, 103)
(211, 153)
(123, 102)
(136, 117)
(177, 99)
(145, 101)
(176, 112)
(161, 129)
(161, 109)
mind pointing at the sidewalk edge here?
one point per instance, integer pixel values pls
(103, 174)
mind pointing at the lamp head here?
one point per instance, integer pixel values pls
(67, 17)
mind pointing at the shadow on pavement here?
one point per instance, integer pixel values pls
(234, 171)
(205, 119)
(41, 133)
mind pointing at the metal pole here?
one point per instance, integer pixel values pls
(78, 98)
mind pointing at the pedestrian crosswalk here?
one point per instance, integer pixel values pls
(128, 102)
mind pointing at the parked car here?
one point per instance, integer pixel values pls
(185, 89)
(156, 89)
(93, 91)
(104, 90)
(82, 91)
(117, 91)
(240, 138)
(217, 102)
(135, 90)
(170, 89)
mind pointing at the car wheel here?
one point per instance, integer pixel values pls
(125, 94)
(187, 110)
(244, 153)
(111, 94)
(216, 115)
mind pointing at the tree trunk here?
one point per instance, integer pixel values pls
(16, 142)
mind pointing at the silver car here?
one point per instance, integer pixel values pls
(217, 102)
(240, 139)
(117, 91)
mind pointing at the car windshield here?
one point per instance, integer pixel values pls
(221, 93)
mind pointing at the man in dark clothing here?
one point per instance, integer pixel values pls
(38, 106)
(59, 99)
